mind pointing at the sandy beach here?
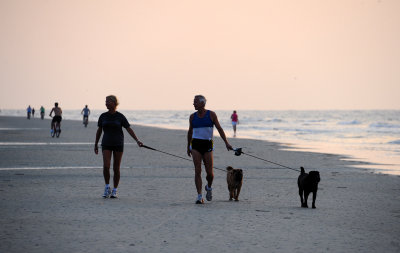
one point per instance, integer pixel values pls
(51, 200)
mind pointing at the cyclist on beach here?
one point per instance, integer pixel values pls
(86, 112)
(57, 117)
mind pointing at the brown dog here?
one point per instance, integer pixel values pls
(234, 178)
(308, 183)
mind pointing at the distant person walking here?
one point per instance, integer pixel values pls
(33, 112)
(200, 144)
(235, 121)
(86, 112)
(112, 144)
(57, 117)
(28, 112)
(42, 112)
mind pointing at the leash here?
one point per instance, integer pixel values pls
(238, 152)
(177, 156)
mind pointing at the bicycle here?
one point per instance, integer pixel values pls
(85, 120)
(57, 130)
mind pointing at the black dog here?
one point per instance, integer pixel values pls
(308, 183)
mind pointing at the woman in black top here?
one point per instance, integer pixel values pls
(111, 123)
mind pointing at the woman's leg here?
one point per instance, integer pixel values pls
(106, 165)
(116, 167)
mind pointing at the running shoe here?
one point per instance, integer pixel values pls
(200, 201)
(209, 193)
(114, 194)
(107, 192)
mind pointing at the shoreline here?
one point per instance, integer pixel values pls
(373, 154)
(345, 160)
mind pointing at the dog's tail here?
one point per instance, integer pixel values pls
(229, 168)
(302, 170)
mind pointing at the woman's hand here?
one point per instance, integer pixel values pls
(96, 149)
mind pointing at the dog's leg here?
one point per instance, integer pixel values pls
(301, 197)
(306, 193)
(314, 196)
(235, 194)
(230, 193)
(238, 192)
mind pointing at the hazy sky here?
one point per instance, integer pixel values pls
(253, 54)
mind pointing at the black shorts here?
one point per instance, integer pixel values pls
(202, 146)
(57, 119)
(113, 148)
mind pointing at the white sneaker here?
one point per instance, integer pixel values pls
(107, 192)
(114, 194)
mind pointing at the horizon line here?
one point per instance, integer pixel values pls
(219, 109)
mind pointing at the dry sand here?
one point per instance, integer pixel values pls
(50, 198)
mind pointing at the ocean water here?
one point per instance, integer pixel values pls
(368, 135)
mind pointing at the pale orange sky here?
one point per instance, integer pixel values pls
(266, 55)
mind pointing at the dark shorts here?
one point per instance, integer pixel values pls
(113, 148)
(202, 146)
(57, 119)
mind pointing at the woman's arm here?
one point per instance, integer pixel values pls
(132, 133)
(98, 134)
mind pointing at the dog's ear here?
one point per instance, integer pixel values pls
(302, 170)
(229, 168)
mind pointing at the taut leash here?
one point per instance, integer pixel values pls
(239, 151)
(177, 156)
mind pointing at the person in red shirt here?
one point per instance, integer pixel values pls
(235, 121)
